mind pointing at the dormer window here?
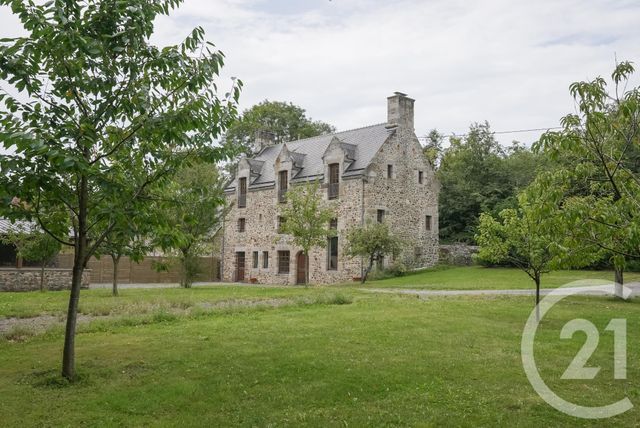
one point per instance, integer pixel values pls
(242, 192)
(334, 181)
(283, 185)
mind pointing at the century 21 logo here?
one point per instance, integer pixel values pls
(578, 369)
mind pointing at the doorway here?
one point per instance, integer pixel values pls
(240, 260)
(301, 263)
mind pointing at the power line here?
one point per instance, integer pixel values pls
(516, 131)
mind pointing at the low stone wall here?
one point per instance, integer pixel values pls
(457, 254)
(28, 279)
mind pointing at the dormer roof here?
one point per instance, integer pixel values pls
(359, 145)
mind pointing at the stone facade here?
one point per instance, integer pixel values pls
(408, 197)
(28, 279)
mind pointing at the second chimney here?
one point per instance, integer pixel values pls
(263, 139)
(400, 111)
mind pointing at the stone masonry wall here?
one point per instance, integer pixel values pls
(261, 235)
(405, 201)
(28, 279)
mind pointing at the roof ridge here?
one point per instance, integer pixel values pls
(335, 133)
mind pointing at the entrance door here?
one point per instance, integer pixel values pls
(240, 266)
(301, 277)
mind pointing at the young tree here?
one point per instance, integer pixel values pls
(372, 242)
(33, 245)
(307, 219)
(191, 210)
(532, 237)
(123, 241)
(102, 116)
(285, 121)
(598, 152)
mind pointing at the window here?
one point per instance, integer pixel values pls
(265, 260)
(420, 177)
(332, 253)
(427, 222)
(283, 261)
(334, 181)
(380, 216)
(241, 225)
(281, 223)
(389, 171)
(242, 192)
(255, 260)
(283, 185)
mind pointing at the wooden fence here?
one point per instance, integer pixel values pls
(130, 272)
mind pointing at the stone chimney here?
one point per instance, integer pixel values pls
(262, 139)
(400, 111)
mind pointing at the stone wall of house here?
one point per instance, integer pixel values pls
(28, 279)
(405, 200)
(261, 223)
(457, 254)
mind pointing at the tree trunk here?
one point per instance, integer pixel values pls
(116, 263)
(367, 270)
(619, 281)
(537, 280)
(44, 262)
(68, 357)
(79, 264)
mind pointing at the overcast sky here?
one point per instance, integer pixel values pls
(506, 61)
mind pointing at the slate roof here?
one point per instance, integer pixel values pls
(361, 145)
(7, 226)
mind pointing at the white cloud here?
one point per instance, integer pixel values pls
(509, 62)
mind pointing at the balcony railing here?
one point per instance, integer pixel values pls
(242, 200)
(334, 190)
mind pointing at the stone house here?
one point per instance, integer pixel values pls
(373, 173)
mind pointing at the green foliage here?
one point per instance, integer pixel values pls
(433, 147)
(372, 242)
(307, 218)
(478, 175)
(32, 244)
(102, 116)
(285, 121)
(190, 212)
(598, 155)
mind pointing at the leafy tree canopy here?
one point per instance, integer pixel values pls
(372, 242)
(285, 121)
(102, 116)
(478, 175)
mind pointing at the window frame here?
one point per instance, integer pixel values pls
(242, 192)
(265, 260)
(428, 223)
(241, 225)
(255, 262)
(333, 191)
(389, 171)
(420, 177)
(284, 255)
(283, 185)
(380, 215)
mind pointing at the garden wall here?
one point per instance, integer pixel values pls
(28, 279)
(457, 254)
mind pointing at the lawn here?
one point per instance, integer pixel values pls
(482, 278)
(333, 357)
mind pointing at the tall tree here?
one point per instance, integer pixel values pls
(372, 242)
(478, 175)
(191, 210)
(307, 219)
(598, 149)
(102, 116)
(284, 121)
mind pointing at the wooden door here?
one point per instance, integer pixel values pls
(301, 271)
(240, 259)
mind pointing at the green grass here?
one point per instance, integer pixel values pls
(481, 278)
(343, 359)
